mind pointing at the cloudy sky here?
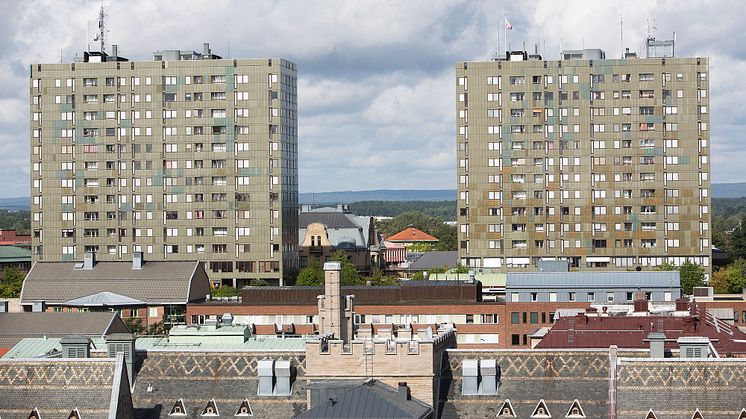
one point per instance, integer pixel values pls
(376, 78)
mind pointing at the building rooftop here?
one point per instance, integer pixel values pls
(631, 332)
(101, 389)
(371, 399)
(9, 254)
(411, 234)
(115, 283)
(435, 259)
(587, 279)
(16, 326)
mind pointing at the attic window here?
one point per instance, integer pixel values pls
(506, 410)
(211, 409)
(575, 410)
(178, 409)
(651, 415)
(244, 409)
(74, 414)
(34, 414)
(541, 411)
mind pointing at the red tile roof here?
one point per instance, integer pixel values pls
(628, 332)
(411, 234)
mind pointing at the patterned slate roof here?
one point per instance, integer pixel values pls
(411, 234)
(57, 386)
(156, 282)
(198, 377)
(372, 399)
(557, 377)
(17, 326)
(329, 219)
(675, 389)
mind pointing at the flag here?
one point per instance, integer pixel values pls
(508, 26)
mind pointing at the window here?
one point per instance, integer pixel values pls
(515, 318)
(515, 339)
(571, 296)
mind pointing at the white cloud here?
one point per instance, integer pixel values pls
(376, 88)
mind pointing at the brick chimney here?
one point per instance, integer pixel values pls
(641, 304)
(335, 309)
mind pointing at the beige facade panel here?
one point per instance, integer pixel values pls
(180, 160)
(603, 162)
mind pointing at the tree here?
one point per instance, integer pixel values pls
(667, 266)
(225, 291)
(378, 279)
(730, 279)
(258, 283)
(349, 271)
(311, 275)
(12, 282)
(738, 241)
(692, 275)
(447, 236)
(134, 325)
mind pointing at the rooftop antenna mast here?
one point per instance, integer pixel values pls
(101, 35)
(229, 36)
(651, 28)
(621, 31)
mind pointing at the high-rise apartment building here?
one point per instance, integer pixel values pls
(186, 157)
(603, 162)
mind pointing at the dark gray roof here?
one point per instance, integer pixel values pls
(198, 377)
(435, 259)
(669, 279)
(372, 399)
(93, 386)
(329, 219)
(16, 326)
(172, 282)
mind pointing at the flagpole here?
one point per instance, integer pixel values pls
(505, 28)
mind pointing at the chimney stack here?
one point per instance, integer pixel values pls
(137, 260)
(682, 304)
(206, 48)
(335, 310)
(641, 304)
(657, 342)
(114, 50)
(403, 391)
(89, 260)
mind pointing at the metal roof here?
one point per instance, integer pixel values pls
(104, 298)
(435, 259)
(16, 326)
(668, 279)
(159, 282)
(14, 254)
(372, 399)
(329, 219)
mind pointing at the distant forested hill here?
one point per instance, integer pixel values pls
(445, 210)
(346, 197)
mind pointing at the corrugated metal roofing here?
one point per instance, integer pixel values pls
(533, 280)
(156, 282)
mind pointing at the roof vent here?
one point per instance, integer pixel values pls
(697, 415)
(651, 415)
(74, 414)
(34, 414)
(137, 260)
(227, 319)
(89, 260)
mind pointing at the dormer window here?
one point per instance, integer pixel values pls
(575, 410)
(506, 410)
(541, 410)
(178, 409)
(651, 415)
(34, 414)
(74, 414)
(244, 409)
(211, 409)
